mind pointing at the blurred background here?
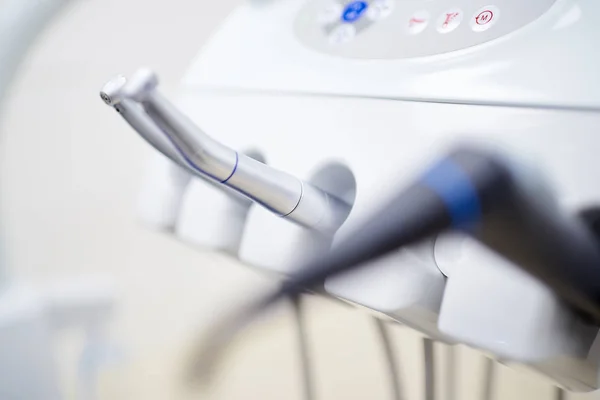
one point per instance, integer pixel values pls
(70, 178)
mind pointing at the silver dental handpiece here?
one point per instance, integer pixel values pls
(134, 114)
(276, 190)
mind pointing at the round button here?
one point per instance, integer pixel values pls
(450, 20)
(418, 22)
(342, 34)
(380, 9)
(354, 11)
(330, 13)
(484, 18)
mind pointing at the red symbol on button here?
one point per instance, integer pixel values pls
(449, 18)
(484, 17)
(414, 21)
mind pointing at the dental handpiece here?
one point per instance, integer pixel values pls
(278, 191)
(136, 117)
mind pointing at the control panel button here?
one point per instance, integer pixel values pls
(330, 14)
(418, 22)
(406, 29)
(354, 10)
(484, 18)
(450, 20)
(380, 9)
(342, 34)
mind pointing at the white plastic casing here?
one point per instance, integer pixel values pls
(257, 49)
(491, 304)
(211, 218)
(405, 285)
(162, 193)
(281, 250)
(532, 92)
(515, 316)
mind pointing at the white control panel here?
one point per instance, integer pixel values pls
(410, 28)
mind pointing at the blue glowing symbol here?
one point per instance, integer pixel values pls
(354, 11)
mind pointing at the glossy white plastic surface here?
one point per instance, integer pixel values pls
(211, 218)
(491, 304)
(257, 49)
(162, 193)
(403, 285)
(277, 245)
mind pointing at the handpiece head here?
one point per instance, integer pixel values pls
(112, 91)
(141, 84)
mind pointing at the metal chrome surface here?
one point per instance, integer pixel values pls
(134, 114)
(276, 190)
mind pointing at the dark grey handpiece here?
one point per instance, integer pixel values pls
(276, 190)
(506, 207)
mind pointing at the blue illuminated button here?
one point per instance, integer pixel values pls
(354, 11)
